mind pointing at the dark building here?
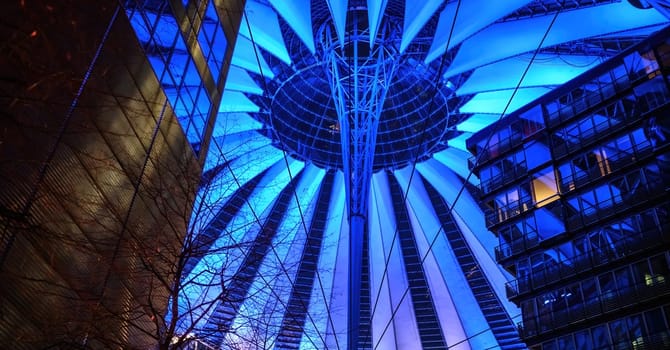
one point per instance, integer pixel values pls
(100, 163)
(577, 186)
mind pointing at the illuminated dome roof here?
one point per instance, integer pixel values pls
(277, 200)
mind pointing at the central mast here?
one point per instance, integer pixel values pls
(360, 72)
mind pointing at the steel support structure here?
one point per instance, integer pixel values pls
(360, 73)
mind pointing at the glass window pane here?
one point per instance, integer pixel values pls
(583, 340)
(566, 343)
(618, 331)
(601, 338)
(550, 345)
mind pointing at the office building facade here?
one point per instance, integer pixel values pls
(100, 164)
(576, 185)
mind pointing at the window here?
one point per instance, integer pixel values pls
(544, 187)
(566, 343)
(212, 41)
(601, 339)
(583, 340)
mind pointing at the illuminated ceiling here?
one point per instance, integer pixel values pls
(454, 67)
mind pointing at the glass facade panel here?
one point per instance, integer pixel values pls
(159, 33)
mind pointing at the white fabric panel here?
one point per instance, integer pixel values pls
(473, 15)
(212, 270)
(470, 220)
(511, 38)
(470, 316)
(382, 223)
(235, 101)
(459, 141)
(244, 56)
(416, 16)
(230, 123)
(298, 15)
(286, 252)
(457, 160)
(494, 102)
(338, 11)
(320, 307)
(239, 80)
(404, 322)
(477, 122)
(265, 30)
(426, 226)
(376, 10)
(214, 195)
(339, 298)
(545, 70)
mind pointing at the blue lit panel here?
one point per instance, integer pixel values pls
(243, 143)
(297, 15)
(278, 269)
(338, 11)
(325, 283)
(477, 122)
(239, 80)
(267, 33)
(240, 170)
(471, 221)
(457, 160)
(232, 123)
(415, 18)
(545, 70)
(644, 31)
(497, 102)
(245, 57)
(458, 142)
(426, 228)
(473, 16)
(213, 271)
(375, 13)
(381, 230)
(337, 232)
(247, 224)
(470, 316)
(514, 37)
(234, 102)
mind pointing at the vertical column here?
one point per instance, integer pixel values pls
(360, 75)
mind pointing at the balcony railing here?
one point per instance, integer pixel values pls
(518, 246)
(501, 214)
(595, 98)
(572, 182)
(623, 247)
(496, 182)
(496, 150)
(558, 316)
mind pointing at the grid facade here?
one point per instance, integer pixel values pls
(576, 189)
(100, 161)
